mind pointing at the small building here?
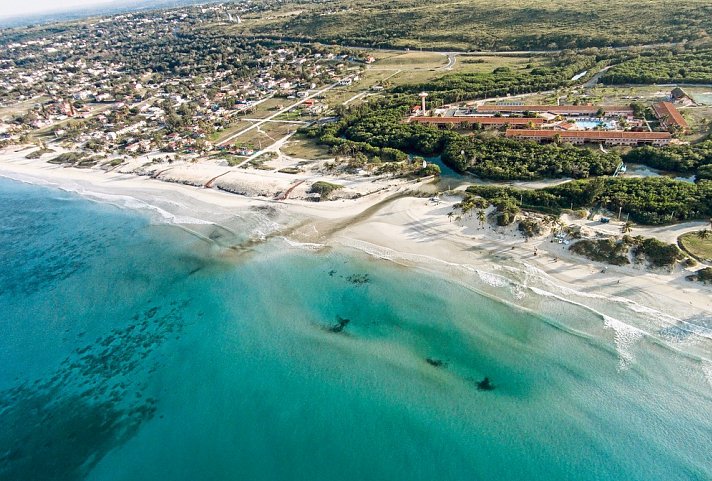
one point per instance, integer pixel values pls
(679, 95)
(669, 116)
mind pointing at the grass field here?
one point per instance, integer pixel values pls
(267, 108)
(699, 248)
(302, 147)
(420, 67)
(265, 135)
(412, 60)
(7, 113)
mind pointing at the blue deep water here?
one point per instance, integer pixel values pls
(134, 350)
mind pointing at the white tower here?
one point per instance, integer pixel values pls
(423, 95)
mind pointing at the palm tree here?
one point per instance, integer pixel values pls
(481, 216)
(703, 234)
(449, 215)
(627, 227)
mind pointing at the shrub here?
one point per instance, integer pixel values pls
(608, 250)
(324, 189)
(530, 228)
(705, 275)
(38, 153)
(67, 158)
(658, 253)
(505, 218)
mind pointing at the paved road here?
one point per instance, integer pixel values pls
(594, 80)
(451, 59)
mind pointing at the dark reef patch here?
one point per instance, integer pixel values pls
(358, 279)
(435, 362)
(340, 325)
(58, 428)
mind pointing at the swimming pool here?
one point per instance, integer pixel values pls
(590, 124)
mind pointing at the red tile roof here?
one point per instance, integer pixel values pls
(478, 120)
(555, 109)
(668, 114)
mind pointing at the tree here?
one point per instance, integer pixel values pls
(481, 216)
(703, 234)
(627, 227)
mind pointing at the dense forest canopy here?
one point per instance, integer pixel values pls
(507, 159)
(663, 66)
(685, 159)
(486, 24)
(649, 200)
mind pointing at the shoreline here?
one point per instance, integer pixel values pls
(411, 231)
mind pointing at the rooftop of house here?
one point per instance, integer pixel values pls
(667, 112)
(478, 120)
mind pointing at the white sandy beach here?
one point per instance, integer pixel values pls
(408, 230)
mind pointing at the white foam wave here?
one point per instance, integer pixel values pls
(707, 370)
(625, 336)
(655, 318)
(129, 202)
(493, 280)
(121, 201)
(303, 245)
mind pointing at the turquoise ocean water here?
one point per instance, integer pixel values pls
(136, 350)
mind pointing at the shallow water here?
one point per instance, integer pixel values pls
(136, 350)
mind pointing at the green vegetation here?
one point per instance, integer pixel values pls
(507, 159)
(685, 159)
(429, 170)
(530, 227)
(650, 200)
(324, 189)
(704, 173)
(504, 80)
(616, 252)
(703, 275)
(301, 147)
(87, 162)
(38, 153)
(377, 130)
(655, 252)
(697, 244)
(663, 66)
(609, 250)
(67, 158)
(483, 24)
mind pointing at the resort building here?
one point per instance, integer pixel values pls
(669, 116)
(608, 137)
(572, 110)
(485, 121)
